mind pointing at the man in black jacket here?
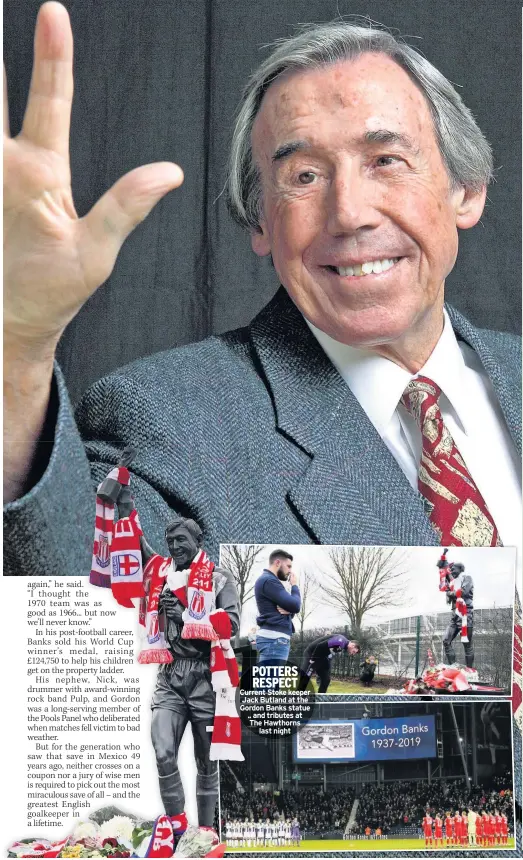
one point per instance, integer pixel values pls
(318, 655)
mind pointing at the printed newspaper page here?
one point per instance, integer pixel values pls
(262, 429)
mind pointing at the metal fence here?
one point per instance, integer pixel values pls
(402, 645)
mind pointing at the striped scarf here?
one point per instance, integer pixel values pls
(117, 563)
(453, 586)
(461, 607)
(194, 589)
(117, 557)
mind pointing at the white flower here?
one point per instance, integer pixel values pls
(120, 827)
(85, 830)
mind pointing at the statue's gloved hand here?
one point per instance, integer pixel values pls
(128, 455)
(111, 490)
(171, 606)
(125, 502)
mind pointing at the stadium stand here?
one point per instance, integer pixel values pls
(398, 807)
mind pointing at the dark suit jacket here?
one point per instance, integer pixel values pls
(253, 433)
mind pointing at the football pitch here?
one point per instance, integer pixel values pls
(359, 845)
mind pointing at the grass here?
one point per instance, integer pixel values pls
(352, 687)
(361, 845)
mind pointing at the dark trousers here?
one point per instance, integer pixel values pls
(321, 667)
(367, 676)
(453, 630)
(184, 694)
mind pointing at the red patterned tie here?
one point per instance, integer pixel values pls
(457, 509)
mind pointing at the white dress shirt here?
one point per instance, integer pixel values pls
(469, 407)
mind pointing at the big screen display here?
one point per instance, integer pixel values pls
(366, 740)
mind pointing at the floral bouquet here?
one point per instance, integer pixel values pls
(106, 834)
(118, 836)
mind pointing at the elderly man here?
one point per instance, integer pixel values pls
(354, 409)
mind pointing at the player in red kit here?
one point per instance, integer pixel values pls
(486, 829)
(464, 829)
(492, 840)
(449, 829)
(504, 829)
(458, 822)
(479, 830)
(438, 830)
(427, 830)
(497, 828)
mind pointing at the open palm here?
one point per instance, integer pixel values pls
(53, 260)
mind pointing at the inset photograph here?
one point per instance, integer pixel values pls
(373, 777)
(381, 620)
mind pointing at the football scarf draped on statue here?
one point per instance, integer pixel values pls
(117, 557)
(117, 564)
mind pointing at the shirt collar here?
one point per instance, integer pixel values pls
(378, 383)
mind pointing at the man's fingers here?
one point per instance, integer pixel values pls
(122, 208)
(48, 113)
(6, 108)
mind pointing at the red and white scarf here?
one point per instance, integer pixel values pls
(38, 848)
(461, 607)
(154, 648)
(227, 731)
(117, 562)
(194, 589)
(454, 586)
(117, 557)
(162, 838)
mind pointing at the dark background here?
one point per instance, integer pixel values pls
(161, 80)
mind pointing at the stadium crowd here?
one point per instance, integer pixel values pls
(317, 811)
(383, 810)
(398, 805)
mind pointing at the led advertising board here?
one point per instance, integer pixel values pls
(366, 740)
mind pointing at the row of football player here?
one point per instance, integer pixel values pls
(469, 828)
(250, 832)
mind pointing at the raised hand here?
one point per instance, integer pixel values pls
(53, 260)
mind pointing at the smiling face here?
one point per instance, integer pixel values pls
(183, 546)
(358, 212)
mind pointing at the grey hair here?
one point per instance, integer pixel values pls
(465, 150)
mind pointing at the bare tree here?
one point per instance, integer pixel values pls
(364, 578)
(308, 590)
(239, 559)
